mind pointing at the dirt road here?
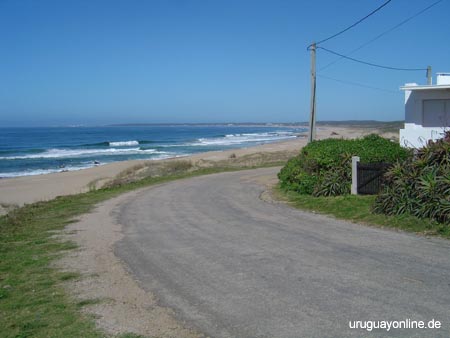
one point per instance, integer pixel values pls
(231, 264)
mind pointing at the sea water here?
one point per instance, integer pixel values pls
(34, 151)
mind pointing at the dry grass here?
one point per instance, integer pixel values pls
(250, 160)
(150, 169)
(174, 166)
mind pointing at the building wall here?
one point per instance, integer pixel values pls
(415, 134)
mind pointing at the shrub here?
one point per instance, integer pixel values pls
(334, 182)
(323, 168)
(419, 186)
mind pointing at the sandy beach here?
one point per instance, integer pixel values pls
(29, 189)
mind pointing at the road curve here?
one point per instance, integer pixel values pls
(233, 265)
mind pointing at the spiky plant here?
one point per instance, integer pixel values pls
(420, 186)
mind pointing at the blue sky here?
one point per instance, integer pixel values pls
(99, 62)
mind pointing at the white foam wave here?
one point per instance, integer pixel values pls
(67, 153)
(123, 143)
(43, 171)
(236, 139)
(161, 156)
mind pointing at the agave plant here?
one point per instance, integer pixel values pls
(419, 186)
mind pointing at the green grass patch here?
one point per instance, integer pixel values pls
(33, 302)
(358, 208)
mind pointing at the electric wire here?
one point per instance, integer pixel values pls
(357, 84)
(370, 63)
(384, 33)
(351, 26)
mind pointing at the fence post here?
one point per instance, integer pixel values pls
(355, 160)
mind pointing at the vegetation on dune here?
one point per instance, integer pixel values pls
(172, 167)
(323, 168)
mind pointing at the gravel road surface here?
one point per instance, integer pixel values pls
(232, 264)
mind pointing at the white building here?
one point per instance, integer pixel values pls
(427, 111)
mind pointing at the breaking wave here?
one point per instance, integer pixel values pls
(236, 139)
(64, 153)
(123, 143)
(33, 172)
(117, 143)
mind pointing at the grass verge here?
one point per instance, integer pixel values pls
(32, 300)
(358, 209)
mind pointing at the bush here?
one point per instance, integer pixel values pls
(294, 177)
(420, 186)
(323, 168)
(334, 182)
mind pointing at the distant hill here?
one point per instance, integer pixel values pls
(368, 123)
(352, 123)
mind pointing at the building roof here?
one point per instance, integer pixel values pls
(413, 86)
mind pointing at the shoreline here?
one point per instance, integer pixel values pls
(50, 157)
(17, 191)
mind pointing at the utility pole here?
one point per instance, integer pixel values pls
(429, 76)
(312, 116)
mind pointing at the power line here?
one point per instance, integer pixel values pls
(353, 25)
(370, 63)
(384, 33)
(357, 84)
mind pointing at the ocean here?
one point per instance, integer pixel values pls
(35, 151)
